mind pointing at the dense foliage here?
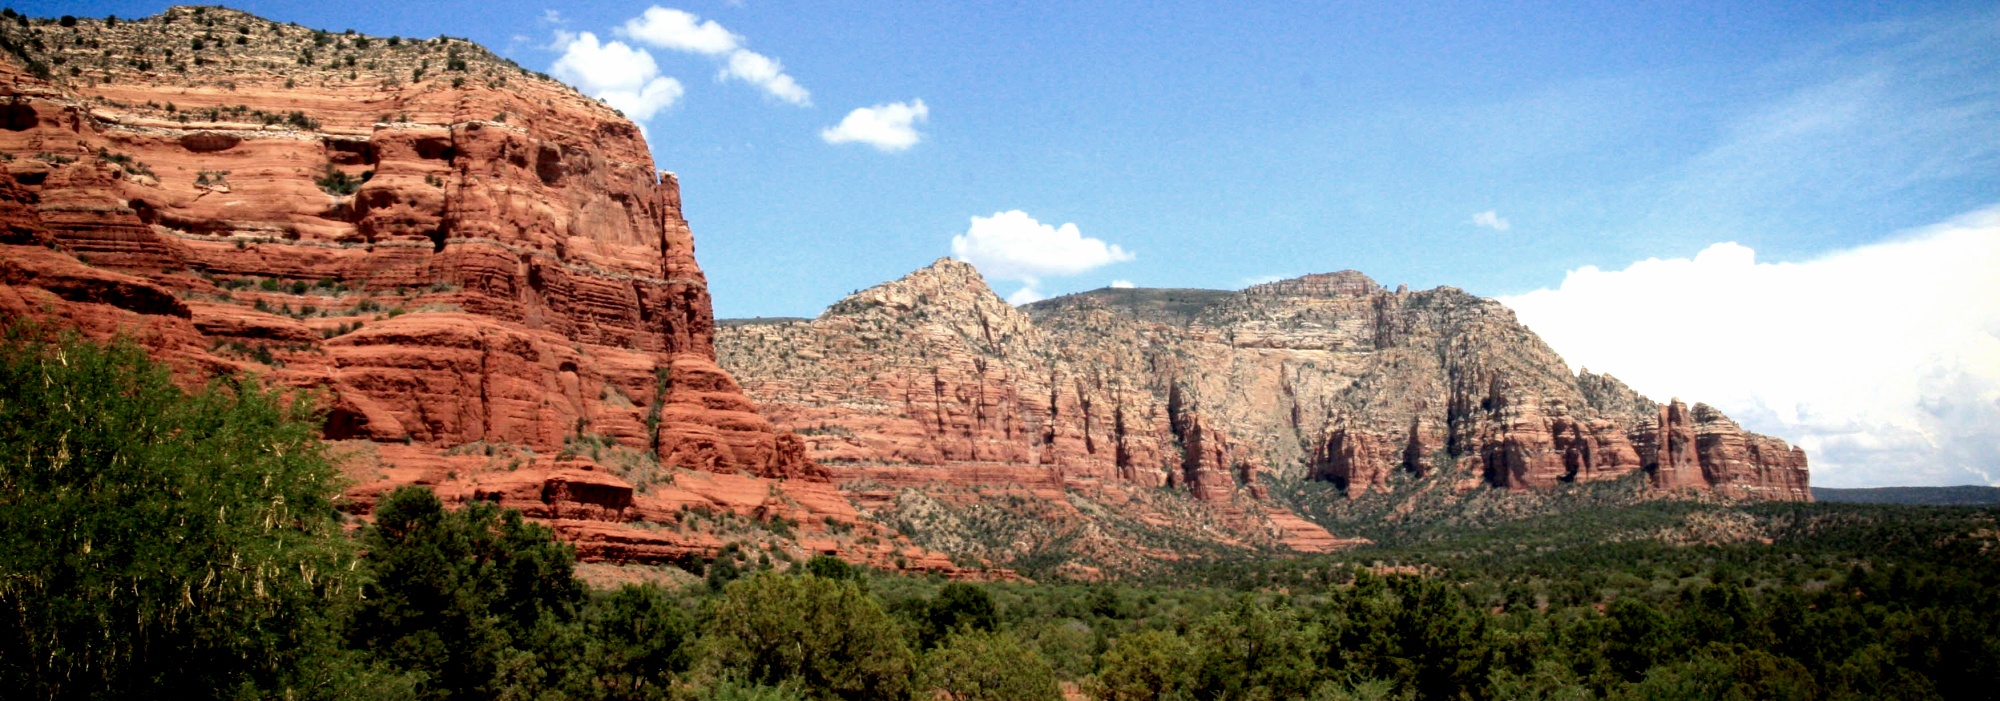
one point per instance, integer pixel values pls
(154, 539)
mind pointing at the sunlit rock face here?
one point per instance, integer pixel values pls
(476, 270)
(1325, 376)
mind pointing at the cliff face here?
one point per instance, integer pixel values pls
(464, 259)
(1326, 376)
(1356, 383)
(936, 370)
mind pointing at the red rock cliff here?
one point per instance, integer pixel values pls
(517, 270)
(477, 268)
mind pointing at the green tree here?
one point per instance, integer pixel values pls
(1254, 650)
(467, 597)
(638, 640)
(1639, 637)
(1144, 666)
(153, 538)
(973, 665)
(958, 606)
(831, 567)
(827, 636)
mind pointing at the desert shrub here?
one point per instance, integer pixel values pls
(989, 666)
(824, 635)
(1145, 666)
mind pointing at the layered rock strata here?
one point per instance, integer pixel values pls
(936, 370)
(453, 253)
(1325, 376)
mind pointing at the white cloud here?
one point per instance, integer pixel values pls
(765, 73)
(1882, 361)
(1013, 246)
(1491, 220)
(625, 77)
(889, 128)
(1026, 295)
(668, 28)
(679, 30)
(1122, 284)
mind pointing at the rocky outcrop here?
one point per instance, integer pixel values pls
(934, 369)
(452, 252)
(1326, 376)
(1357, 384)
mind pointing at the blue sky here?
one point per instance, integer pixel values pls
(1220, 144)
(1499, 148)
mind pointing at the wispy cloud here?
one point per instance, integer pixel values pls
(889, 128)
(1856, 125)
(1490, 219)
(1122, 284)
(1882, 361)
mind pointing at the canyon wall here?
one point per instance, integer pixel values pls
(1327, 377)
(477, 270)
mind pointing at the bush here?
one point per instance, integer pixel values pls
(831, 567)
(958, 606)
(475, 599)
(338, 183)
(826, 636)
(986, 666)
(153, 538)
(638, 641)
(1144, 666)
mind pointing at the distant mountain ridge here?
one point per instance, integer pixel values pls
(1217, 394)
(1961, 495)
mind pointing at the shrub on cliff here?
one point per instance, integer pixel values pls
(155, 538)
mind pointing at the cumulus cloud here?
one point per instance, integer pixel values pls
(1013, 246)
(1882, 361)
(889, 128)
(1026, 295)
(1491, 220)
(679, 30)
(623, 76)
(1122, 284)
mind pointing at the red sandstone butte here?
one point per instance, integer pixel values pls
(463, 262)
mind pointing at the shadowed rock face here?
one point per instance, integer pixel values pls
(462, 262)
(1325, 376)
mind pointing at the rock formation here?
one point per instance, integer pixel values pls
(1325, 376)
(462, 258)
(936, 370)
